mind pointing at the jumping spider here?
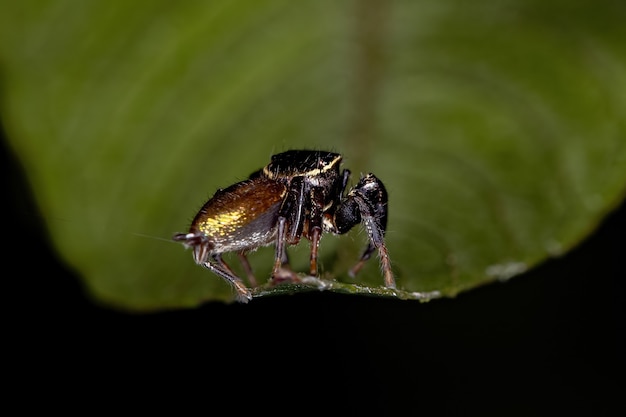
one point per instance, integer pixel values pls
(300, 193)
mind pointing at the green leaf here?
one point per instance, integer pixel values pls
(496, 126)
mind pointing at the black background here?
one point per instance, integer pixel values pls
(548, 342)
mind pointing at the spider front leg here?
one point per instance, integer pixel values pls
(367, 203)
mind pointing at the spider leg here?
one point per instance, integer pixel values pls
(222, 270)
(247, 268)
(282, 271)
(366, 203)
(367, 253)
(280, 257)
(289, 219)
(315, 225)
(202, 255)
(345, 176)
(293, 209)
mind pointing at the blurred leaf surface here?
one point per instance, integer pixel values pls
(497, 126)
